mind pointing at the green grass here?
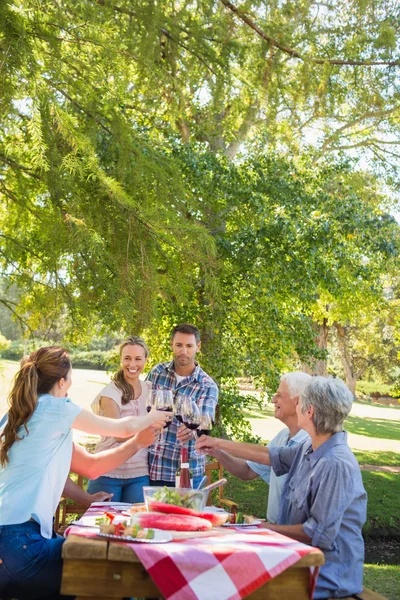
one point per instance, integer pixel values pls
(376, 428)
(383, 516)
(384, 579)
(377, 457)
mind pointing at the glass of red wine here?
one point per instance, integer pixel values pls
(190, 414)
(161, 399)
(205, 425)
(179, 400)
(204, 428)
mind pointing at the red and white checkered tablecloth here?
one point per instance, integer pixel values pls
(221, 567)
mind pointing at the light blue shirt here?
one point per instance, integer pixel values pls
(32, 481)
(325, 493)
(276, 484)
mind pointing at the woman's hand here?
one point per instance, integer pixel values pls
(157, 418)
(100, 497)
(147, 437)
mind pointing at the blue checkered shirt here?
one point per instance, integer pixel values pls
(199, 386)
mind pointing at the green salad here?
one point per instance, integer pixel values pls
(192, 500)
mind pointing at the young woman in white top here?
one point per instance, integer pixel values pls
(35, 458)
(124, 396)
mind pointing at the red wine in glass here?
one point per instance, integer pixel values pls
(167, 409)
(203, 432)
(190, 425)
(179, 418)
(148, 408)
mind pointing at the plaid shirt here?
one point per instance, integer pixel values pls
(203, 390)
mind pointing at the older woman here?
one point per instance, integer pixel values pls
(323, 501)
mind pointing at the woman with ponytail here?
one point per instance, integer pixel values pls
(35, 459)
(125, 396)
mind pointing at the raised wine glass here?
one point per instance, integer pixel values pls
(205, 425)
(190, 414)
(179, 400)
(161, 399)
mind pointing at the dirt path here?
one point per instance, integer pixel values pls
(380, 468)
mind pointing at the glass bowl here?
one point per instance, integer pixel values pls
(178, 497)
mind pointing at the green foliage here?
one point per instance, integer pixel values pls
(4, 343)
(379, 389)
(93, 359)
(123, 210)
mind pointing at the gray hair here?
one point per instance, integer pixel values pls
(296, 382)
(331, 400)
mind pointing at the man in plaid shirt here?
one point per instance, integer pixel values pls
(184, 375)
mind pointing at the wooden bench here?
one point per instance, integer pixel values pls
(366, 594)
(65, 508)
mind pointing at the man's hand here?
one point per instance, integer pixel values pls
(184, 434)
(147, 437)
(207, 445)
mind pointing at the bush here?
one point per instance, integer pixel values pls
(370, 388)
(4, 343)
(93, 359)
(14, 351)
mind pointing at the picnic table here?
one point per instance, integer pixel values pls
(104, 569)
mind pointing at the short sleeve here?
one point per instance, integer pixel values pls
(264, 471)
(56, 414)
(109, 391)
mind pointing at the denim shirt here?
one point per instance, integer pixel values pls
(325, 493)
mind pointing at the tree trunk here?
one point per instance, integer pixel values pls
(347, 363)
(320, 365)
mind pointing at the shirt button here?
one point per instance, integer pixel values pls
(24, 547)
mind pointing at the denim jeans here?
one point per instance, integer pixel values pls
(30, 565)
(163, 482)
(123, 490)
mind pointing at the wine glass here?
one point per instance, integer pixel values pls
(162, 400)
(204, 428)
(179, 400)
(149, 401)
(190, 414)
(205, 425)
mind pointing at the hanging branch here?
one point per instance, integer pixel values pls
(295, 54)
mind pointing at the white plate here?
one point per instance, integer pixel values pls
(160, 537)
(117, 505)
(255, 522)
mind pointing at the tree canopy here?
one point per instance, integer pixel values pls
(162, 162)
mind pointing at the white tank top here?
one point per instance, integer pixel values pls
(136, 465)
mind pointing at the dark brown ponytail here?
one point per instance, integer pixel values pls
(38, 374)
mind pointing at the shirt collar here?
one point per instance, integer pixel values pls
(338, 439)
(299, 437)
(194, 375)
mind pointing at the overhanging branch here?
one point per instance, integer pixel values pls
(295, 54)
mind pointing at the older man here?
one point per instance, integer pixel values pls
(324, 501)
(285, 400)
